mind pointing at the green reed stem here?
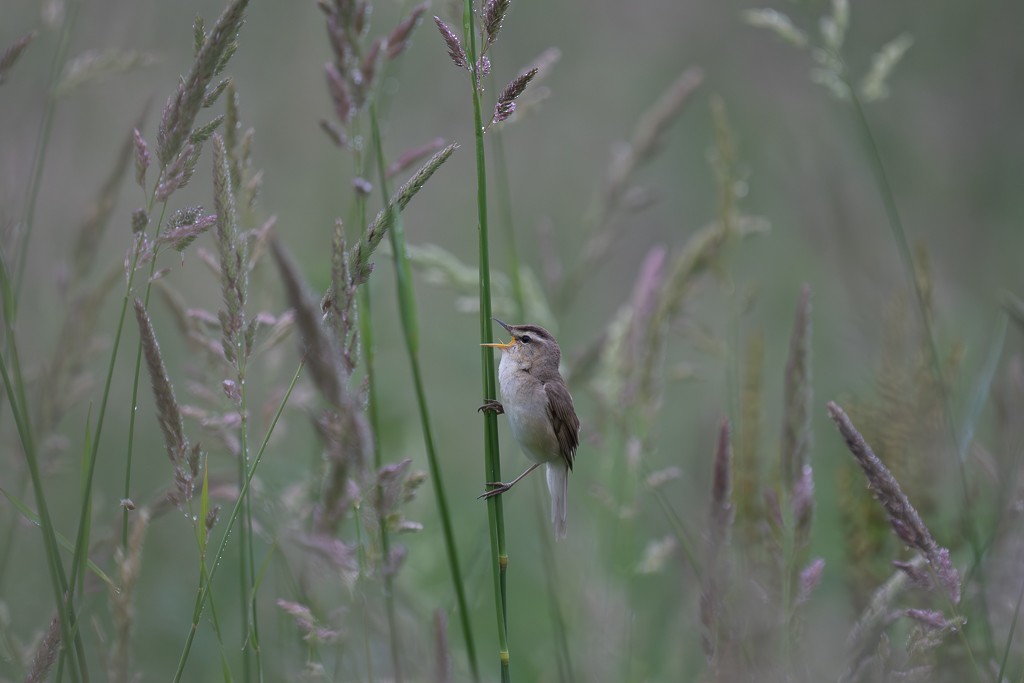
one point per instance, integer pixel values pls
(204, 591)
(43, 142)
(373, 413)
(410, 328)
(492, 469)
(15, 388)
(247, 563)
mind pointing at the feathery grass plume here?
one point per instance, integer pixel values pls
(45, 654)
(312, 629)
(182, 108)
(95, 67)
(395, 486)
(318, 348)
(398, 40)
(833, 26)
(494, 15)
(641, 337)
(66, 375)
(177, 174)
(339, 306)
(184, 458)
(352, 75)
(506, 104)
(646, 137)
(903, 422)
(129, 564)
(455, 51)
(716, 570)
(202, 133)
(334, 132)
(185, 226)
(797, 398)
(746, 471)
(874, 86)
(626, 160)
(810, 578)
(234, 260)
(142, 157)
(531, 99)
(863, 643)
(902, 516)
(12, 52)
(90, 233)
(378, 227)
(778, 23)
(345, 428)
(412, 156)
(344, 107)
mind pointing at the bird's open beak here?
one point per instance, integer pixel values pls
(510, 344)
(507, 328)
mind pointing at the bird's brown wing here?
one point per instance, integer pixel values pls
(563, 419)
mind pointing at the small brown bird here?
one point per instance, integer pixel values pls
(540, 411)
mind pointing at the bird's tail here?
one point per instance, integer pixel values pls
(558, 486)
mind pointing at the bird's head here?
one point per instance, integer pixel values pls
(530, 346)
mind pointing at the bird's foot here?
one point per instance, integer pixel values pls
(499, 489)
(491, 406)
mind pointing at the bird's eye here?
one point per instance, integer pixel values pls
(525, 339)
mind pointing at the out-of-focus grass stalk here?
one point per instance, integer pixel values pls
(892, 213)
(495, 511)
(56, 66)
(1009, 635)
(204, 592)
(15, 388)
(410, 330)
(504, 194)
(373, 411)
(547, 554)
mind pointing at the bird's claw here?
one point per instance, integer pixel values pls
(499, 489)
(491, 406)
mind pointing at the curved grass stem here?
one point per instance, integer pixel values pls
(204, 591)
(410, 330)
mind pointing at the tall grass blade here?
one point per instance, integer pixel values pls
(410, 330)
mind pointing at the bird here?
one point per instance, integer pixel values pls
(540, 412)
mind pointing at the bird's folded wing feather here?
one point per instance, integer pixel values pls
(563, 419)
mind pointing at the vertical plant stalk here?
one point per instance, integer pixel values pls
(15, 389)
(43, 141)
(233, 260)
(410, 330)
(906, 257)
(204, 590)
(367, 337)
(795, 467)
(495, 511)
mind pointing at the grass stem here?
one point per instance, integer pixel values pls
(410, 330)
(495, 511)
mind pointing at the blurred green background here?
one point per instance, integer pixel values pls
(948, 133)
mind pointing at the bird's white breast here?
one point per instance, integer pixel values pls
(526, 406)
